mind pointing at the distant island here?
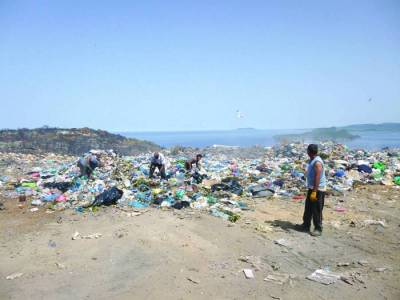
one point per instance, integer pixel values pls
(374, 127)
(343, 134)
(246, 129)
(74, 141)
(319, 134)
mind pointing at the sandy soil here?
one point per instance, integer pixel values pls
(191, 255)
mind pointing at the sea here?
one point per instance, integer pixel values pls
(369, 140)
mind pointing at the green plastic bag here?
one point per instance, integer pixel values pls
(397, 180)
(379, 165)
(211, 200)
(285, 167)
(31, 185)
(233, 217)
(179, 194)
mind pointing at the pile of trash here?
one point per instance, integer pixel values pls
(224, 186)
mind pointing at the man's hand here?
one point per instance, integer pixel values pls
(313, 196)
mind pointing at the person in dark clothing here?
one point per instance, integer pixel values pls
(157, 161)
(189, 163)
(316, 184)
(87, 164)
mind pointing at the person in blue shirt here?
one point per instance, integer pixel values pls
(316, 185)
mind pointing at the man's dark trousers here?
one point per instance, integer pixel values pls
(313, 209)
(160, 167)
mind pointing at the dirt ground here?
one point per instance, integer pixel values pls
(187, 254)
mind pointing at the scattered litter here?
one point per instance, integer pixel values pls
(363, 263)
(92, 236)
(60, 266)
(76, 235)
(380, 269)
(56, 182)
(277, 171)
(52, 244)
(324, 277)
(134, 214)
(282, 242)
(335, 224)
(36, 202)
(278, 278)
(340, 209)
(346, 280)
(264, 228)
(193, 280)
(254, 261)
(374, 222)
(34, 209)
(248, 273)
(343, 264)
(353, 278)
(14, 276)
(275, 266)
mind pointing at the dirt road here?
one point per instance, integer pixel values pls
(189, 254)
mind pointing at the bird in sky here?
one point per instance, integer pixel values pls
(239, 114)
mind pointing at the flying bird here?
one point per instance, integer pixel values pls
(239, 114)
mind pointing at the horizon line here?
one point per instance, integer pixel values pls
(200, 130)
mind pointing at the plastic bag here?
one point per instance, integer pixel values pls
(108, 197)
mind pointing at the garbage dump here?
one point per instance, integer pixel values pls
(224, 185)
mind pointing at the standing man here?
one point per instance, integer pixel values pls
(316, 184)
(157, 161)
(189, 163)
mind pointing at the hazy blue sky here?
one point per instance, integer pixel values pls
(180, 65)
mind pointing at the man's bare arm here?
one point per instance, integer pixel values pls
(318, 171)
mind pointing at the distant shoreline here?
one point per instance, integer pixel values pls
(76, 141)
(372, 140)
(333, 133)
(390, 126)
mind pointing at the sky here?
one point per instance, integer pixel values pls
(190, 65)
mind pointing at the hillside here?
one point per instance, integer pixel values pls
(73, 141)
(319, 134)
(374, 127)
